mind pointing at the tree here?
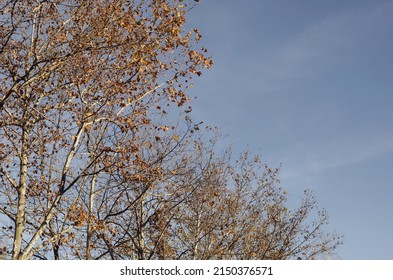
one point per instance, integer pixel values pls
(78, 78)
(240, 212)
(217, 210)
(92, 165)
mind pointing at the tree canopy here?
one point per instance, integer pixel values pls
(94, 163)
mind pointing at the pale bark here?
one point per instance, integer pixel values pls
(90, 215)
(21, 208)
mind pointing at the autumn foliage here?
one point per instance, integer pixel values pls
(95, 165)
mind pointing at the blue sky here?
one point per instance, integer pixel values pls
(309, 84)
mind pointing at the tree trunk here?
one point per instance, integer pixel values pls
(21, 210)
(89, 221)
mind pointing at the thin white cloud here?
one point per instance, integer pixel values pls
(351, 149)
(322, 40)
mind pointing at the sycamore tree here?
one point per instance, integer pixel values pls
(78, 80)
(93, 164)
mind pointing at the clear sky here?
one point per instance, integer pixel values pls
(309, 84)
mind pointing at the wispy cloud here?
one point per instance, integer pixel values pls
(345, 150)
(320, 42)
